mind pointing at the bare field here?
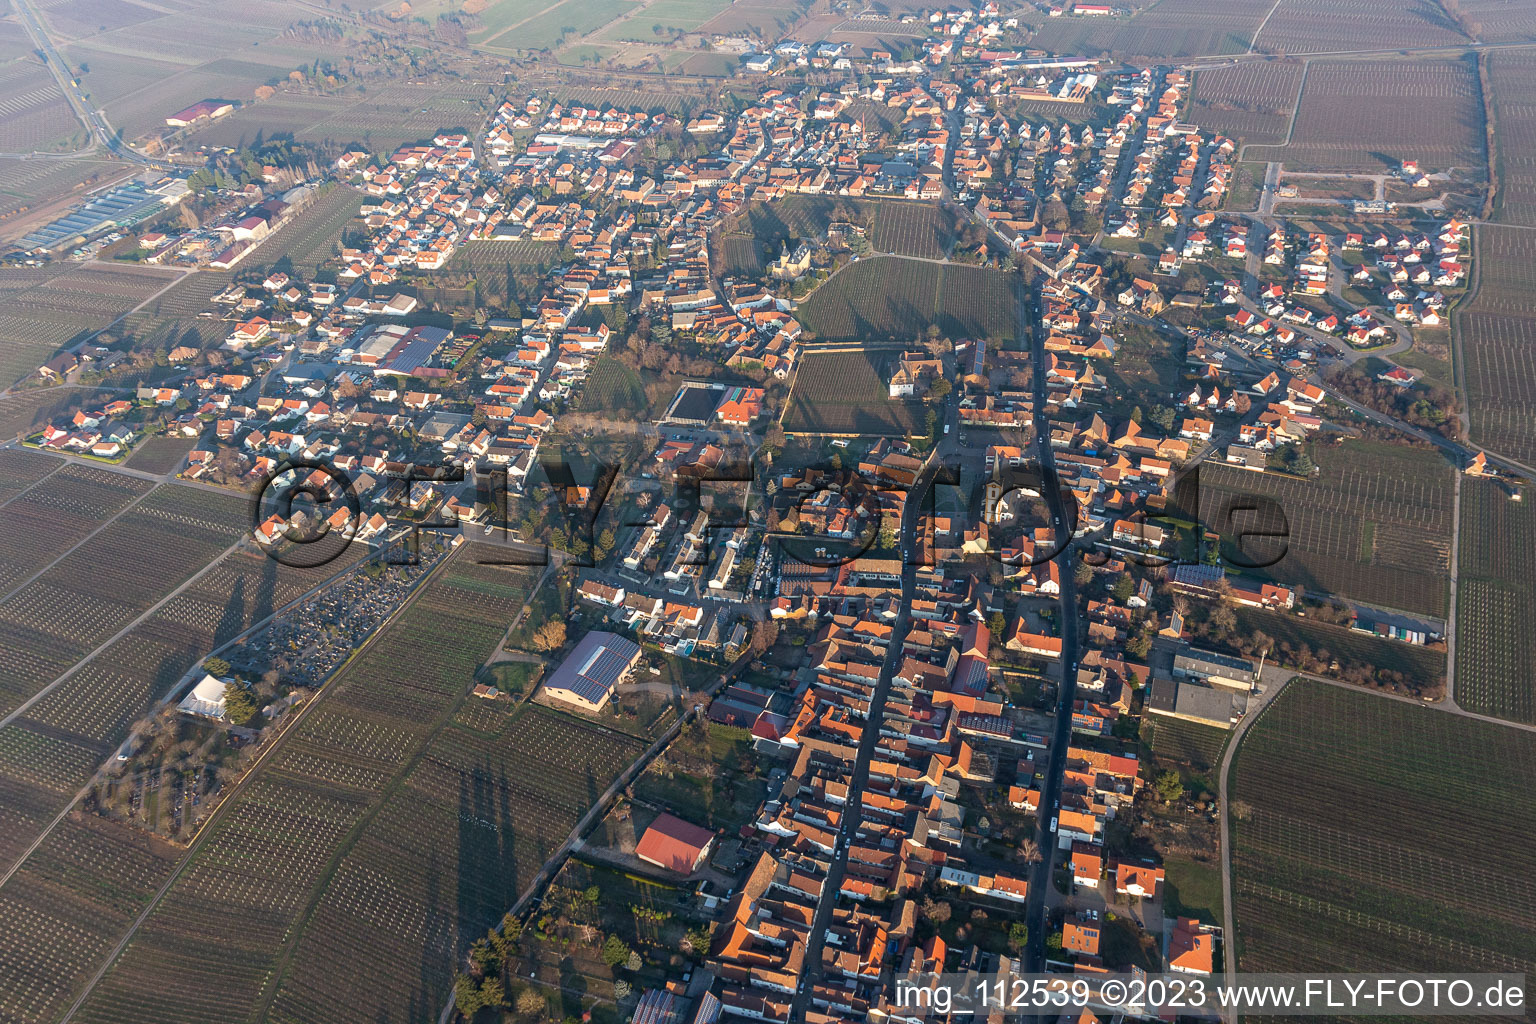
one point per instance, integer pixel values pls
(1358, 115)
(57, 309)
(1512, 74)
(1251, 101)
(1498, 343)
(1174, 28)
(1324, 26)
(34, 115)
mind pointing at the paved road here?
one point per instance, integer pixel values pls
(95, 121)
(868, 738)
(1056, 757)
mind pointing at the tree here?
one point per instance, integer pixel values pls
(530, 1003)
(550, 636)
(1053, 942)
(1139, 646)
(238, 704)
(1169, 786)
(941, 388)
(492, 993)
(216, 667)
(1018, 936)
(936, 911)
(615, 952)
(1123, 587)
(997, 625)
(633, 961)
(1083, 573)
(1030, 851)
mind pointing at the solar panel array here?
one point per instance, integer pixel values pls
(594, 668)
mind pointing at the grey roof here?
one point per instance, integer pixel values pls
(1205, 702)
(594, 668)
(1211, 663)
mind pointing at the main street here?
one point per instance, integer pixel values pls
(1056, 756)
(911, 555)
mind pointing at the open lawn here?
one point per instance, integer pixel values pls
(1350, 840)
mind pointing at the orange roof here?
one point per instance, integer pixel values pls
(1080, 937)
(674, 844)
(1190, 948)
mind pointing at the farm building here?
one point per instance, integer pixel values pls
(1207, 705)
(675, 844)
(200, 111)
(590, 674)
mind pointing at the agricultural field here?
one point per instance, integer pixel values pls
(25, 411)
(1496, 604)
(899, 299)
(1374, 525)
(379, 118)
(114, 575)
(664, 18)
(848, 393)
(1512, 80)
(1362, 657)
(1495, 21)
(161, 454)
(304, 839)
(910, 229)
(1252, 102)
(1368, 116)
(501, 802)
(34, 116)
(314, 235)
(1352, 814)
(1313, 26)
(59, 309)
(27, 187)
(56, 514)
(21, 468)
(565, 22)
(613, 388)
(1173, 28)
(765, 21)
(1497, 334)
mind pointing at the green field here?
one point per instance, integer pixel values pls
(1496, 604)
(899, 299)
(1355, 818)
(559, 24)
